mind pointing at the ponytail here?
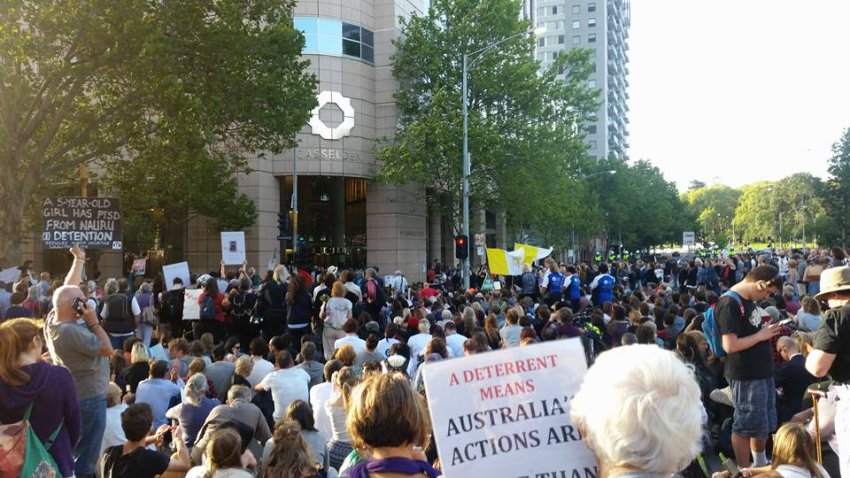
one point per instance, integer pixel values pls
(15, 338)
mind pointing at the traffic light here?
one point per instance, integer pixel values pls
(284, 226)
(461, 247)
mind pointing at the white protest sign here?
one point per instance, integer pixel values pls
(10, 275)
(180, 269)
(507, 413)
(233, 247)
(191, 308)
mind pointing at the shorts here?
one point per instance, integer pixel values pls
(755, 407)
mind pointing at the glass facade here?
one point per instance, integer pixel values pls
(325, 36)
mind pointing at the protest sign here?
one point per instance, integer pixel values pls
(10, 275)
(233, 247)
(93, 223)
(139, 266)
(180, 269)
(191, 308)
(506, 414)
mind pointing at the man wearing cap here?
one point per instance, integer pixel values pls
(749, 362)
(828, 355)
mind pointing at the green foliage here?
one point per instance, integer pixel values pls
(522, 139)
(640, 205)
(838, 186)
(147, 81)
(713, 209)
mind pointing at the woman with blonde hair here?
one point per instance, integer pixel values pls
(337, 407)
(139, 368)
(334, 312)
(390, 420)
(346, 355)
(794, 456)
(290, 457)
(37, 391)
(224, 455)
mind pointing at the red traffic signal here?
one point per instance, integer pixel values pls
(461, 247)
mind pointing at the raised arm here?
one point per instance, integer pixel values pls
(75, 275)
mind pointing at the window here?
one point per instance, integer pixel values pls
(559, 25)
(576, 24)
(593, 67)
(561, 39)
(591, 83)
(541, 12)
(541, 57)
(591, 38)
(332, 37)
(555, 55)
(541, 42)
(591, 7)
(591, 129)
(554, 10)
(576, 9)
(591, 22)
(576, 40)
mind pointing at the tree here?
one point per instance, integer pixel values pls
(642, 208)
(713, 208)
(114, 81)
(755, 216)
(838, 184)
(522, 124)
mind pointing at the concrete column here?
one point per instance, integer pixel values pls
(396, 232)
(338, 229)
(435, 235)
(502, 229)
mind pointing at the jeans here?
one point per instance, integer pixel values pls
(93, 414)
(145, 332)
(117, 341)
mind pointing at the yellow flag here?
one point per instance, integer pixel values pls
(506, 263)
(532, 253)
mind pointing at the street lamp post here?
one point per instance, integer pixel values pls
(469, 58)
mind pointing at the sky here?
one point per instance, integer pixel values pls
(733, 92)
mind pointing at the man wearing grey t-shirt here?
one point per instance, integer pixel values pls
(76, 340)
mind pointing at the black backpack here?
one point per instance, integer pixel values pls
(242, 306)
(119, 316)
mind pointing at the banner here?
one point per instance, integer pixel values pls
(93, 223)
(507, 413)
(532, 253)
(233, 247)
(505, 263)
(180, 269)
(191, 308)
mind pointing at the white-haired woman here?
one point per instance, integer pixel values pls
(193, 412)
(639, 410)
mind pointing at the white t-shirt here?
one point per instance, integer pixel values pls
(113, 434)
(353, 340)
(262, 367)
(286, 385)
(791, 471)
(455, 344)
(320, 394)
(384, 345)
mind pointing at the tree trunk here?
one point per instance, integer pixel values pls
(11, 234)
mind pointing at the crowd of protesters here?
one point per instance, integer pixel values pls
(319, 372)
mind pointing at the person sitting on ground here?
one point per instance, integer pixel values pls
(286, 384)
(113, 434)
(158, 391)
(193, 412)
(390, 420)
(309, 364)
(639, 381)
(133, 459)
(288, 453)
(224, 457)
(336, 407)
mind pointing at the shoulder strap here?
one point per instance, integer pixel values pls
(52, 437)
(738, 299)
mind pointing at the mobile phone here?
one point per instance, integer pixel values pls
(79, 306)
(730, 465)
(786, 321)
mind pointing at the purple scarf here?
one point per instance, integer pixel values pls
(403, 466)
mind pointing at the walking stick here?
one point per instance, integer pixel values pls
(815, 395)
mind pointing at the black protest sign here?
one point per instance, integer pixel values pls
(93, 223)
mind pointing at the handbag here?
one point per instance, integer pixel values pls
(22, 454)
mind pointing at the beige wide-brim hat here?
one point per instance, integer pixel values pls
(835, 279)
